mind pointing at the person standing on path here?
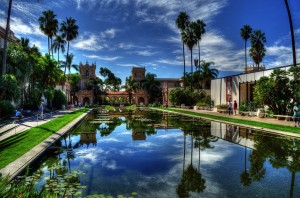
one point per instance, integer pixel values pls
(229, 107)
(234, 107)
(296, 116)
(41, 110)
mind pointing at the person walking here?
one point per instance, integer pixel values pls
(234, 107)
(296, 116)
(229, 107)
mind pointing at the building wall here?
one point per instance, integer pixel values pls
(239, 84)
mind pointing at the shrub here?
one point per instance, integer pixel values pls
(187, 97)
(59, 99)
(6, 108)
(222, 106)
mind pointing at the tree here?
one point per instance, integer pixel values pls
(274, 91)
(207, 73)
(49, 26)
(130, 86)
(246, 32)
(59, 45)
(190, 39)
(9, 89)
(152, 86)
(69, 65)
(111, 81)
(199, 31)
(69, 31)
(6, 38)
(96, 84)
(182, 22)
(292, 32)
(257, 50)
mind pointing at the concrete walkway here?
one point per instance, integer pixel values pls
(17, 166)
(253, 118)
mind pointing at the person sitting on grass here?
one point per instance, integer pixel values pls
(296, 116)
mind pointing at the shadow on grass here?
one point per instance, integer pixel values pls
(13, 140)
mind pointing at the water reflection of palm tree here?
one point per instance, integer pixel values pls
(191, 181)
(245, 176)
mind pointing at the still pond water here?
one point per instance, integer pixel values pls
(165, 155)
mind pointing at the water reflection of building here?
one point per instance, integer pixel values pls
(87, 138)
(138, 135)
(233, 133)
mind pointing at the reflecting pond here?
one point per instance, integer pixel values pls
(159, 154)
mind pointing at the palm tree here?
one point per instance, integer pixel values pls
(246, 32)
(257, 51)
(199, 31)
(59, 44)
(207, 73)
(97, 84)
(49, 26)
(130, 86)
(68, 64)
(292, 32)
(5, 39)
(190, 39)
(182, 22)
(69, 31)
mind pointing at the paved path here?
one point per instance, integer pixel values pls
(254, 118)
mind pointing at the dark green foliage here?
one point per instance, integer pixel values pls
(6, 108)
(187, 97)
(9, 89)
(59, 99)
(274, 91)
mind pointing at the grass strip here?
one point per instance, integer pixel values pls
(236, 120)
(15, 146)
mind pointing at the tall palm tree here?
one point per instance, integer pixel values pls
(208, 73)
(130, 86)
(182, 22)
(190, 39)
(49, 26)
(199, 31)
(6, 38)
(59, 45)
(68, 64)
(69, 31)
(246, 32)
(292, 32)
(257, 51)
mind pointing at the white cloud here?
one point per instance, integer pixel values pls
(145, 53)
(169, 62)
(89, 42)
(106, 58)
(109, 33)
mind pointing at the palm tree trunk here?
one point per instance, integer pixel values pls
(183, 54)
(184, 143)
(58, 55)
(246, 72)
(192, 148)
(5, 39)
(62, 87)
(192, 60)
(199, 54)
(49, 46)
(292, 185)
(292, 32)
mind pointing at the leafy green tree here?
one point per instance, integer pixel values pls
(111, 82)
(59, 99)
(182, 22)
(9, 89)
(257, 50)
(178, 96)
(295, 82)
(274, 91)
(97, 85)
(49, 26)
(153, 88)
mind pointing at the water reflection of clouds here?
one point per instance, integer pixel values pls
(109, 140)
(169, 135)
(145, 145)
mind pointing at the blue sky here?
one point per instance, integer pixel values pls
(120, 34)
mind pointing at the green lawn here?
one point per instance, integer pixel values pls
(236, 120)
(16, 146)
